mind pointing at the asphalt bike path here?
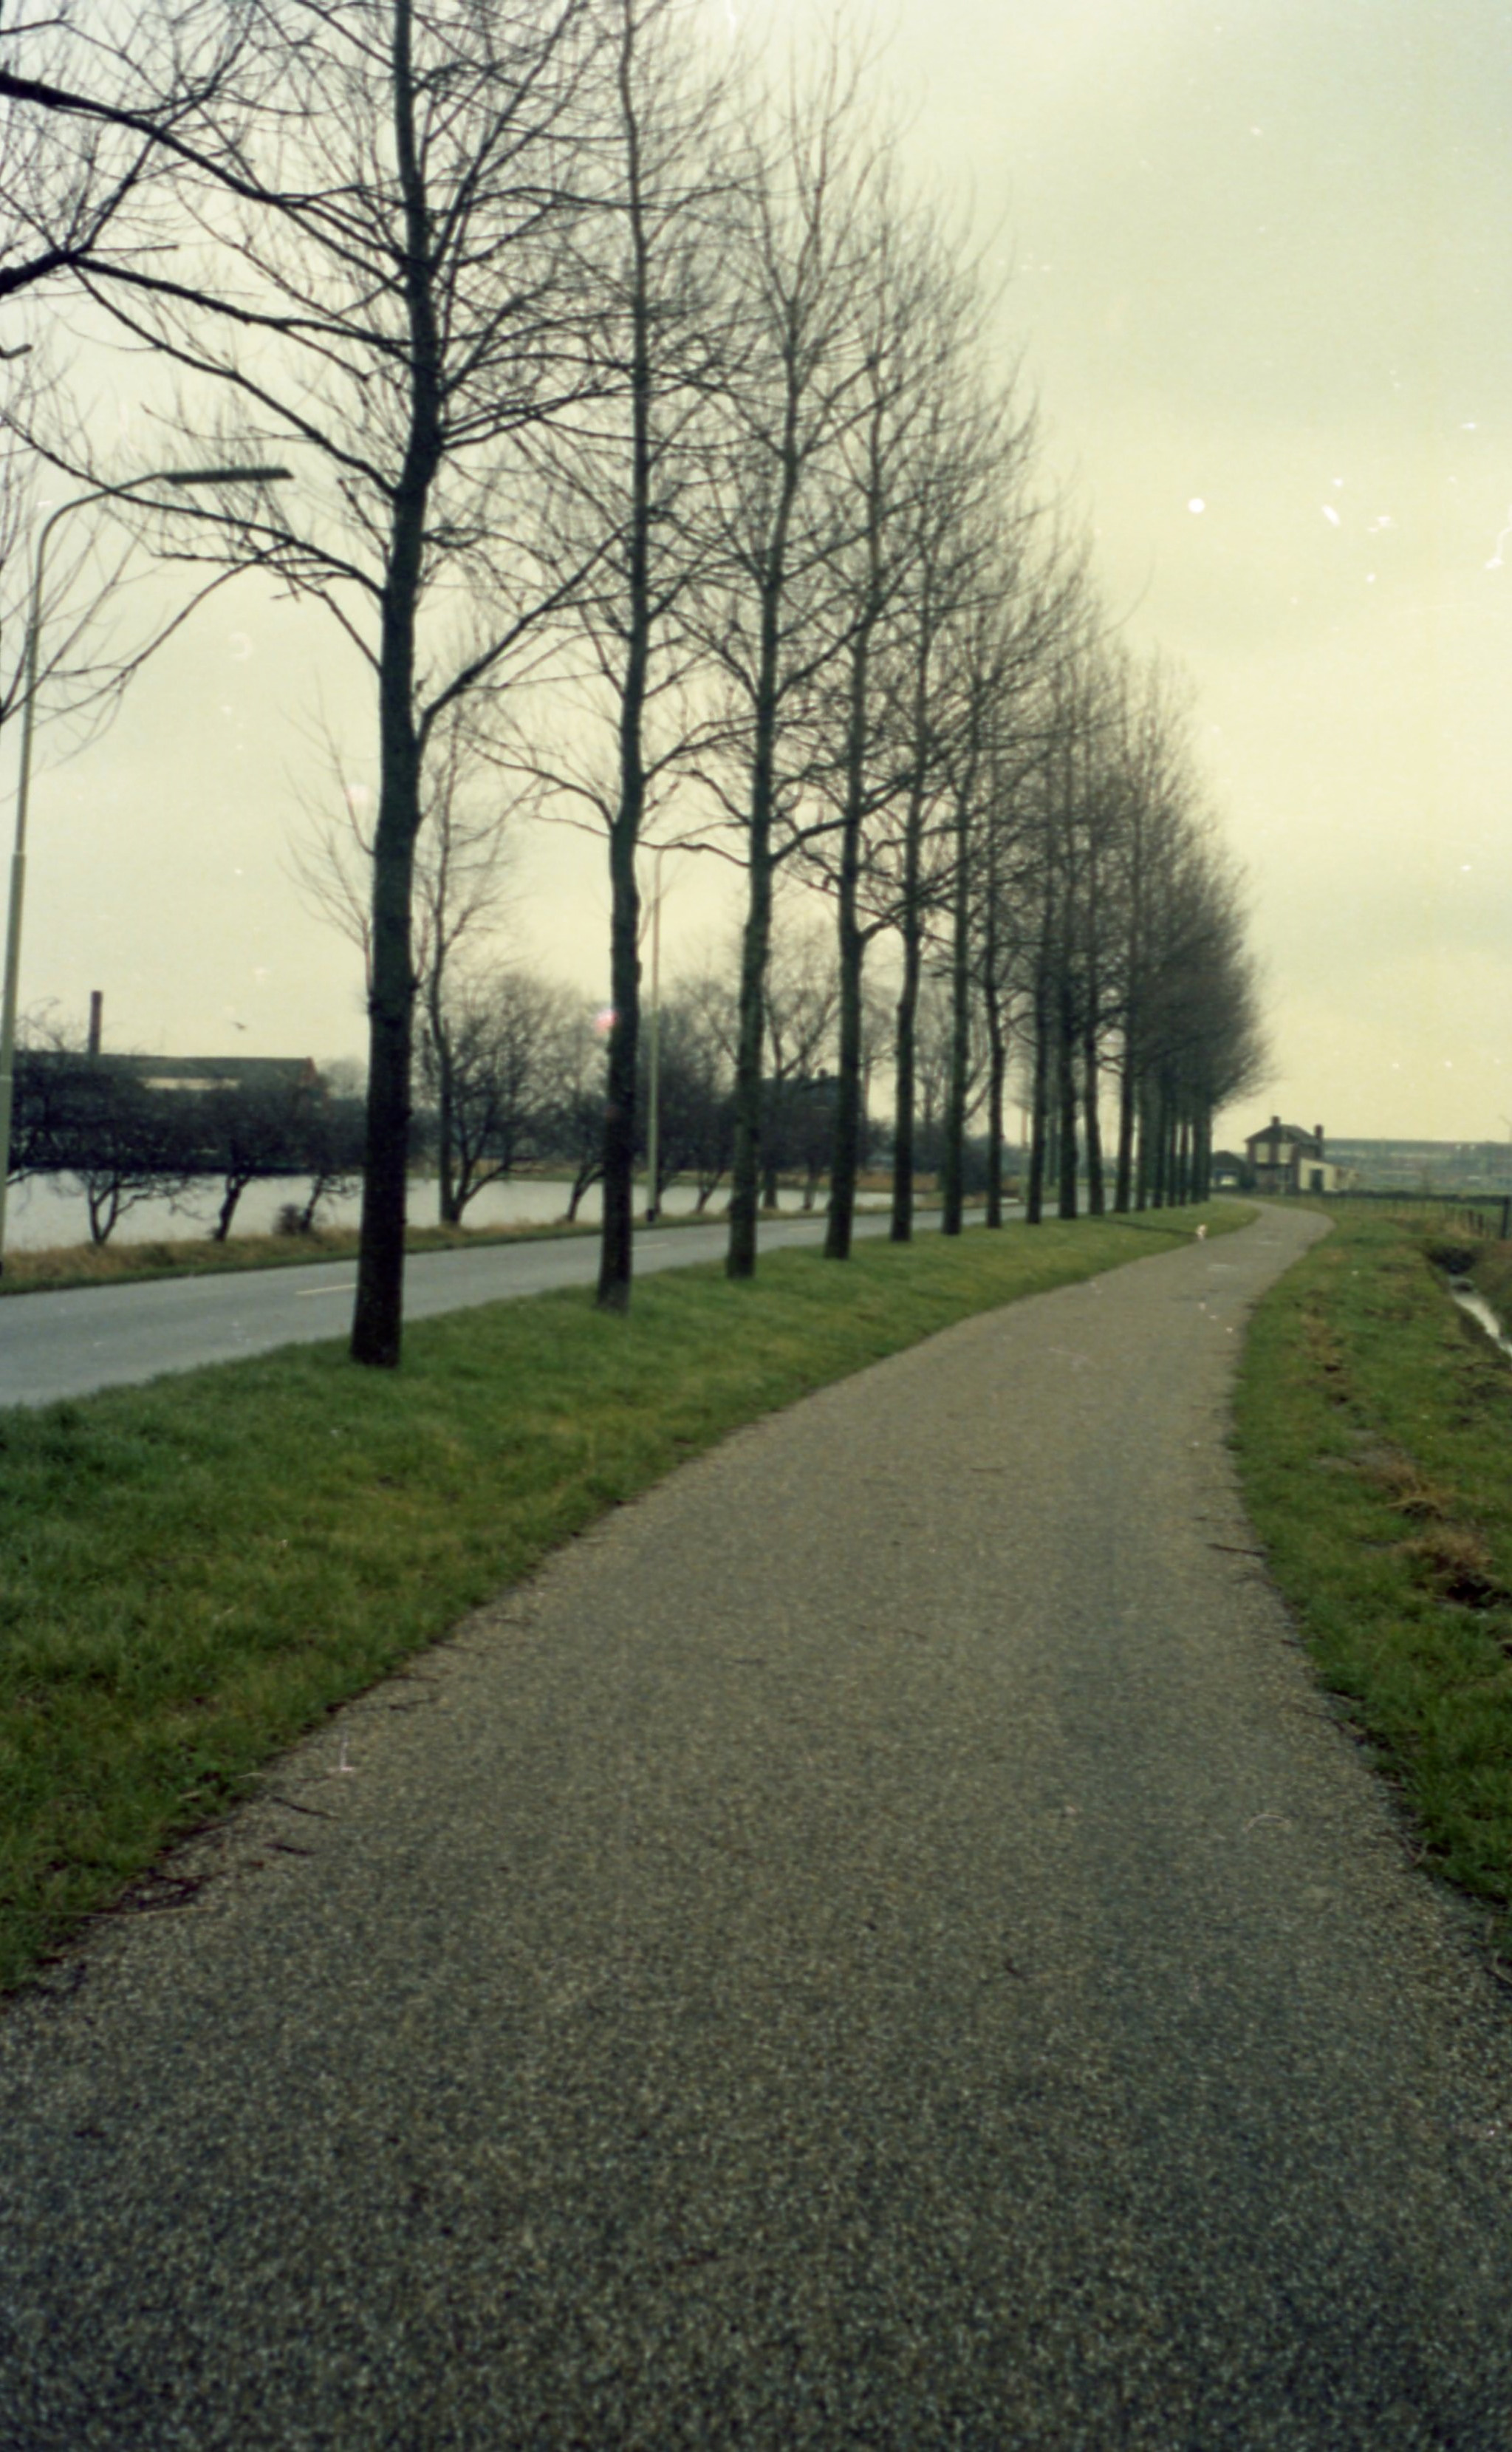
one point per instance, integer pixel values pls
(882, 1941)
(84, 1338)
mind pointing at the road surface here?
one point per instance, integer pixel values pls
(880, 1943)
(104, 1337)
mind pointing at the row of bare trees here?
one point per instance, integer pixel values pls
(648, 447)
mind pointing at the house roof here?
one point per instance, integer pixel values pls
(1282, 1133)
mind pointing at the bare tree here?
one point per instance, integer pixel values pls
(925, 484)
(802, 1009)
(460, 885)
(508, 1038)
(694, 1112)
(97, 112)
(626, 474)
(93, 1118)
(369, 275)
(774, 613)
(573, 1127)
(251, 1133)
(1003, 649)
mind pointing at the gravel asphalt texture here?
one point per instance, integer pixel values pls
(882, 1941)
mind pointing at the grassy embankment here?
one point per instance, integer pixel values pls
(1375, 1445)
(194, 1572)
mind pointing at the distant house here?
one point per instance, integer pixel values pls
(1286, 1157)
(259, 1077)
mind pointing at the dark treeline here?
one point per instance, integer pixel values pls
(647, 441)
(125, 1134)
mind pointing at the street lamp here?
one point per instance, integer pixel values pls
(180, 477)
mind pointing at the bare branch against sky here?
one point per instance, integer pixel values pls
(1254, 261)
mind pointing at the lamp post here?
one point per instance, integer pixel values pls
(180, 477)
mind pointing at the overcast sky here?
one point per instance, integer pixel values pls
(1261, 274)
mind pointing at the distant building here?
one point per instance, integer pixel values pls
(257, 1075)
(1286, 1157)
(1428, 1166)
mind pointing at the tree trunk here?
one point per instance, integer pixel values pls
(846, 1154)
(996, 1040)
(1091, 1083)
(234, 1189)
(378, 1314)
(1039, 1102)
(1203, 1154)
(904, 1049)
(952, 1176)
(617, 1249)
(846, 1157)
(1066, 1089)
(745, 1171)
(616, 1255)
(447, 1189)
(996, 1075)
(1155, 1134)
(1123, 1181)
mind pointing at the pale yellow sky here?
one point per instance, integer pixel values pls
(1262, 261)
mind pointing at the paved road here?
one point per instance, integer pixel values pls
(103, 1336)
(879, 1943)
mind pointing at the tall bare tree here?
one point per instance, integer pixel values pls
(458, 893)
(368, 276)
(626, 474)
(775, 608)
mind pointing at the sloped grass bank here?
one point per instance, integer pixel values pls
(1375, 1445)
(194, 1572)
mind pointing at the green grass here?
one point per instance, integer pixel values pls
(195, 1572)
(1374, 1433)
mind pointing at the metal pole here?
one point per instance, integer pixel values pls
(654, 1053)
(29, 705)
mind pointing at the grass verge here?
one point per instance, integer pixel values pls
(1374, 1438)
(195, 1572)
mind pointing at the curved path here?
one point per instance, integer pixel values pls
(879, 1943)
